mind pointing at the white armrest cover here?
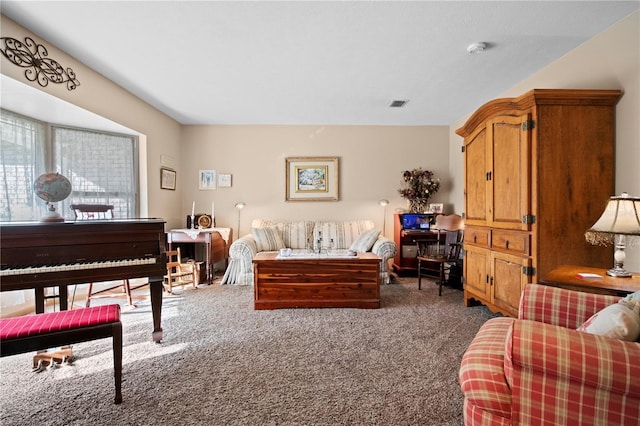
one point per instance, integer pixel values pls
(240, 269)
(386, 249)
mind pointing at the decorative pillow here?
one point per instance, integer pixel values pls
(633, 297)
(296, 235)
(342, 232)
(365, 241)
(619, 321)
(267, 239)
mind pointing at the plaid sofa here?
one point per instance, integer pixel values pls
(538, 370)
(298, 235)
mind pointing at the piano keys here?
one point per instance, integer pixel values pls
(36, 255)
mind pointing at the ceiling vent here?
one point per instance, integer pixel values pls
(398, 104)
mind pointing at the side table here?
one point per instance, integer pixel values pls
(591, 280)
(216, 241)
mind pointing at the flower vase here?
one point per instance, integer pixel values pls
(417, 206)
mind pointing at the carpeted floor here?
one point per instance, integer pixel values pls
(222, 363)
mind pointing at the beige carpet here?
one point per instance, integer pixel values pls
(222, 363)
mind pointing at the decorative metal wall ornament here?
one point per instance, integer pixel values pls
(33, 56)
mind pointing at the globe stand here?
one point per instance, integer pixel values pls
(51, 215)
(52, 188)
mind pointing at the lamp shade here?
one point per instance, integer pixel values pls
(620, 217)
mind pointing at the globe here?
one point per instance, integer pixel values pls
(52, 187)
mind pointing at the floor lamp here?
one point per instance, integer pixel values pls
(384, 204)
(240, 205)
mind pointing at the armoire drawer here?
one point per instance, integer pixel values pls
(511, 241)
(477, 236)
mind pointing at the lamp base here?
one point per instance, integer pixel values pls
(619, 273)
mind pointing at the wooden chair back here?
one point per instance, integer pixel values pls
(92, 211)
(451, 222)
(178, 273)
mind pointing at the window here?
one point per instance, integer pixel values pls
(102, 167)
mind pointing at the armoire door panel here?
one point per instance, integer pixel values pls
(476, 169)
(510, 171)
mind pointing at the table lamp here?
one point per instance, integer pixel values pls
(619, 225)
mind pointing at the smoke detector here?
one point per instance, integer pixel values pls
(476, 48)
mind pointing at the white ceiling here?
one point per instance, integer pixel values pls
(330, 63)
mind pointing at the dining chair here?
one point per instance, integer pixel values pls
(440, 255)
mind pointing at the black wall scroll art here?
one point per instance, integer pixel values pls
(39, 67)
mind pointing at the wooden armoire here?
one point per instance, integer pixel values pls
(539, 170)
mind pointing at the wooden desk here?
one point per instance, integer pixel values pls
(216, 241)
(566, 276)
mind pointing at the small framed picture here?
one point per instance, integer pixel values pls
(167, 179)
(436, 208)
(207, 179)
(224, 180)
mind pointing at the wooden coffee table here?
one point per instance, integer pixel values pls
(321, 281)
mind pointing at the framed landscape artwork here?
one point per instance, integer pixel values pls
(312, 179)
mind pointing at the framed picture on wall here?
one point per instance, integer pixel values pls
(207, 179)
(167, 179)
(436, 208)
(312, 179)
(224, 180)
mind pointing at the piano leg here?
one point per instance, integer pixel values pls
(39, 300)
(63, 297)
(155, 289)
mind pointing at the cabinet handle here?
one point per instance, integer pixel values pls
(506, 244)
(475, 237)
(491, 283)
(487, 279)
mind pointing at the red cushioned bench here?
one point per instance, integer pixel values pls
(51, 329)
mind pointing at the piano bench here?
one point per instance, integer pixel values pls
(40, 331)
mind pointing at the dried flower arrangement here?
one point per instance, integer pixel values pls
(418, 186)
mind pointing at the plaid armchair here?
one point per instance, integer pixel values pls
(537, 370)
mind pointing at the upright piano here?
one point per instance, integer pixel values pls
(36, 255)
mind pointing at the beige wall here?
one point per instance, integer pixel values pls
(160, 133)
(610, 60)
(371, 159)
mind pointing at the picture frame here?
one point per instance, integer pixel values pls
(312, 179)
(207, 179)
(437, 208)
(167, 179)
(224, 180)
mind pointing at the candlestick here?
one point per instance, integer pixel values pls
(213, 211)
(193, 209)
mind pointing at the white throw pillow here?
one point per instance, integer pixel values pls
(619, 321)
(365, 241)
(267, 239)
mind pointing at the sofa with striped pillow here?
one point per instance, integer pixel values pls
(544, 368)
(267, 235)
